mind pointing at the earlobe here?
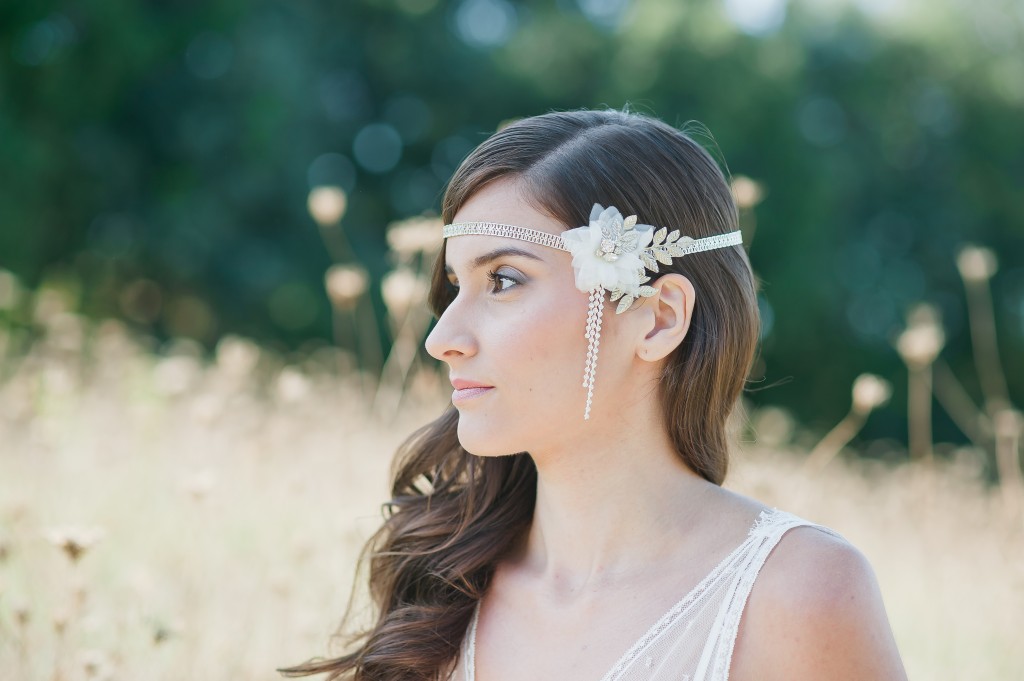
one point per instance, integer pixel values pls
(667, 319)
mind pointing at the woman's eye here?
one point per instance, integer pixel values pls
(501, 282)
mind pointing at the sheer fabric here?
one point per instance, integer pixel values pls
(694, 640)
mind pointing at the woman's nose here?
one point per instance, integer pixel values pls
(450, 337)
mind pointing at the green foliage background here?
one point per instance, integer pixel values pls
(176, 143)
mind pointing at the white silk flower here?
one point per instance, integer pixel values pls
(606, 253)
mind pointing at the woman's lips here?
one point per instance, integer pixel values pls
(467, 389)
(469, 393)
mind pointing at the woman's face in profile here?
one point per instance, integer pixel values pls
(516, 324)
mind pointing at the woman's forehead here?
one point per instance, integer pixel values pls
(473, 251)
(504, 202)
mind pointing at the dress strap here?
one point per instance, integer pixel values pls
(469, 664)
(768, 531)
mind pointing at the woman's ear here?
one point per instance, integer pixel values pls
(665, 316)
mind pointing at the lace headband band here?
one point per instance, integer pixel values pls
(556, 241)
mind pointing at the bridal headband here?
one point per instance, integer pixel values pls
(610, 254)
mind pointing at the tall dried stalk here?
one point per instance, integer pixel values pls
(1008, 426)
(353, 320)
(414, 243)
(351, 310)
(954, 399)
(977, 265)
(918, 346)
(869, 393)
(404, 293)
(327, 205)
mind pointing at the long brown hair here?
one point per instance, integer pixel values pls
(452, 516)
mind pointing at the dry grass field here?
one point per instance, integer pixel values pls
(167, 517)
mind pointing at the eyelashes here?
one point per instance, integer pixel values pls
(494, 277)
(499, 283)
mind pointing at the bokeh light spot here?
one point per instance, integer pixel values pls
(190, 317)
(10, 290)
(113, 234)
(256, 265)
(822, 121)
(415, 191)
(485, 23)
(377, 147)
(41, 42)
(416, 7)
(141, 301)
(756, 17)
(209, 56)
(448, 154)
(410, 115)
(327, 205)
(332, 169)
(608, 13)
(872, 315)
(344, 96)
(934, 110)
(292, 306)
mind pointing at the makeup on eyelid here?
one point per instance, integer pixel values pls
(494, 276)
(507, 251)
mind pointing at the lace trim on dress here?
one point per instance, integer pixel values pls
(470, 670)
(773, 533)
(685, 603)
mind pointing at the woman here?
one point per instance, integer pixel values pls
(548, 528)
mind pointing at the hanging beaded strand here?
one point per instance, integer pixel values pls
(594, 311)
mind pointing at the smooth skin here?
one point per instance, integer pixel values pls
(622, 527)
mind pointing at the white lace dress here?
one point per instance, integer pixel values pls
(694, 640)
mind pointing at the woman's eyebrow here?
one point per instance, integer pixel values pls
(482, 260)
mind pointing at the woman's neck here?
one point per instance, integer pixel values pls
(609, 512)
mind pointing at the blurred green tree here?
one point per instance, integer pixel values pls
(160, 155)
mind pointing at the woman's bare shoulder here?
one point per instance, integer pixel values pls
(816, 612)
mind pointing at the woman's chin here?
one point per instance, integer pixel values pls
(479, 440)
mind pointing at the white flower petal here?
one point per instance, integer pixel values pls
(646, 234)
(609, 214)
(577, 239)
(612, 275)
(588, 277)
